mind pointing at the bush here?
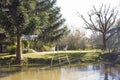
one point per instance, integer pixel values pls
(7, 61)
(11, 49)
(25, 44)
(45, 48)
(27, 51)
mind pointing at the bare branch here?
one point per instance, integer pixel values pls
(114, 19)
(110, 36)
(85, 21)
(102, 20)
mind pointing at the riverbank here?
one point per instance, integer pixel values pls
(44, 58)
(113, 57)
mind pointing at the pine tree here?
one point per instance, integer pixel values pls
(29, 17)
(13, 19)
(47, 22)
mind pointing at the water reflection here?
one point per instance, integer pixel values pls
(79, 72)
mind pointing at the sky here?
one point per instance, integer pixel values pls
(70, 9)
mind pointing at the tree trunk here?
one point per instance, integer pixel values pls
(104, 41)
(19, 49)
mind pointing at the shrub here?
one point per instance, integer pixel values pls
(45, 48)
(27, 51)
(25, 44)
(11, 49)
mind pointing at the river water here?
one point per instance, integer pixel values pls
(71, 72)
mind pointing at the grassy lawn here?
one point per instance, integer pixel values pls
(45, 57)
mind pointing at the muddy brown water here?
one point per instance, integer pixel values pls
(70, 72)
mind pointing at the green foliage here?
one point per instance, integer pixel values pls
(45, 48)
(32, 26)
(51, 21)
(14, 20)
(7, 61)
(2, 36)
(25, 44)
(27, 51)
(31, 17)
(11, 49)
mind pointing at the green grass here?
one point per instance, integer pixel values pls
(45, 57)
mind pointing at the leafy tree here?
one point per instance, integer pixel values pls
(49, 28)
(31, 17)
(13, 18)
(102, 20)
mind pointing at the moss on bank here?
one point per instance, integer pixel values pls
(45, 59)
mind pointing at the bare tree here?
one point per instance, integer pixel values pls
(102, 20)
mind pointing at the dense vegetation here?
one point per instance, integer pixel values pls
(31, 17)
(39, 25)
